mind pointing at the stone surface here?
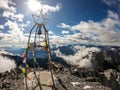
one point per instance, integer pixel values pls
(43, 76)
(105, 74)
(65, 80)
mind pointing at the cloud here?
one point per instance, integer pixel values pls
(104, 32)
(14, 31)
(47, 8)
(13, 16)
(81, 58)
(51, 33)
(54, 39)
(7, 5)
(36, 6)
(14, 23)
(4, 4)
(7, 14)
(113, 4)
(65, 32)
(6, 64)
(1, 27)
(63, 25)
(19, 17)
(3, 51)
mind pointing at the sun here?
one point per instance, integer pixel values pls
(34, 5)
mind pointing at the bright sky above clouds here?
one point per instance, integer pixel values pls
(69, 21)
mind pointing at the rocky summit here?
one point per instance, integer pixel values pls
(104, 74)
(68, 79)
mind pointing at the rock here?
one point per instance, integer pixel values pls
(84, 73)
(92, 79)
(111, 78)
(9, 81)
(18, 70)
(104, 74)
(106, 59)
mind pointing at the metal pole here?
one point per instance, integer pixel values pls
(27, 53)
(49, 54)
(35, 61)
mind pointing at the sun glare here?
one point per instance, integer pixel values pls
(34, 5)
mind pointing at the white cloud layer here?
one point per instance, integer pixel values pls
(13, 22)
(36, 6)
(111, 2)
(105, 32)
(1, 27)
(114, 4)
(51, 32)
(65, 32)
(6, 64)
(63, 25)
(5, 4)
(81, 58)
(47, 8)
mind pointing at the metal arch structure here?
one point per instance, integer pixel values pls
(39, 28)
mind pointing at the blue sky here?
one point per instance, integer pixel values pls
(70, 21)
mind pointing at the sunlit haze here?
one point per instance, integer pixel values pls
(34, 5)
